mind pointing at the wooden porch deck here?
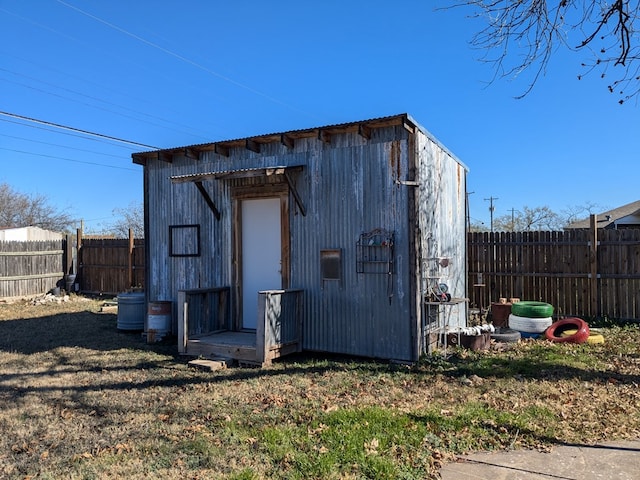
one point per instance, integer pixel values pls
(239, 346)
(205, 326)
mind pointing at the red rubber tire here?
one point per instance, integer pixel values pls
(553, 333)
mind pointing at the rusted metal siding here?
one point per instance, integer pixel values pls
(351, 191)
(181, 204)
(349, 185)
(441, 205)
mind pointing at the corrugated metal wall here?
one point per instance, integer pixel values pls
(348, 187)
(352, 191)
(441, 224)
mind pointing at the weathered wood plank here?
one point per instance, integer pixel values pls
(558, 267)
(30, 267)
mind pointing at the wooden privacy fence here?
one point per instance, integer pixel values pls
(31, 267)
(110, 265)
(586, 273)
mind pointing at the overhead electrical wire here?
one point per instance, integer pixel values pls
(184, 59)
(93, 98)
(67, 159)
(90, 105)
(47, 129)
(104, 53)
(76, 149)
(73, 129)
(99, 136)
(123, 94)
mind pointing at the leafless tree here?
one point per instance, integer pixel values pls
(574, 213)
(523, 35)
(528, 219)
(131, 217)
(22, 210)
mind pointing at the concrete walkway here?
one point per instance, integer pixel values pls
(615, 460)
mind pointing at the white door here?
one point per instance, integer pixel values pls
(261, 254)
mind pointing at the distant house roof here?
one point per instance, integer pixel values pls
(622, 217)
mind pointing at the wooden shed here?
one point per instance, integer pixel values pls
(346, 238)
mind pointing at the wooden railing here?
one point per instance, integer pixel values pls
(205, 312)
(279, 329)
(202, 311)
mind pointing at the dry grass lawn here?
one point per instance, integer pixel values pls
(81, 400)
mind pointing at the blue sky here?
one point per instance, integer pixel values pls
(167, 73)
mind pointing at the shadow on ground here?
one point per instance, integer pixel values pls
(85, 329)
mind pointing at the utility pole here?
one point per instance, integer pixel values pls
(468, 214)
(513, 220)
(491, 208)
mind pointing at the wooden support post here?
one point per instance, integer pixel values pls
(593, 263)
(207, 198)
(78, 271)
(296, 195)
(183, 315)
(68, 255)
(262, 328)
(130, 260)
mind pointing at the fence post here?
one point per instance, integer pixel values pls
(593, 262)
(79, 273)
(68, 255)
(130, 258)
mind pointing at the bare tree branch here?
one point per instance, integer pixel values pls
(131, 217)
(21, 210)
(523, 35)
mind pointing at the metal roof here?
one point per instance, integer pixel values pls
(235, 173)
(288, 138)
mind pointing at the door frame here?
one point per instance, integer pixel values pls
(280, 191)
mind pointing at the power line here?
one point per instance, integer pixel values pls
(61, 146)
(123, 94)
(96, 99)
(68, 159)
(73, 129)
(182, 58)
(106, 53)
(157, 73)
(84, 137)
(31, 87)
